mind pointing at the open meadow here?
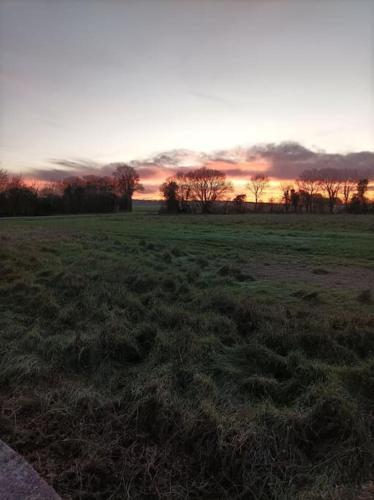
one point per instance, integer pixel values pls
(190, 356)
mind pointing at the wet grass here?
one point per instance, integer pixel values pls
(211, 357)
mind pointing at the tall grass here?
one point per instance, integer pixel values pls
(128, 374)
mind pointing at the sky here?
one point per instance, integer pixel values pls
(120, 80)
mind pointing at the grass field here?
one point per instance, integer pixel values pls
(215, 357)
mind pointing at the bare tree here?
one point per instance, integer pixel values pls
(177, 192)
(362, 187)
(295, 200)
(330, 182)
(3, 179)
(184, 190)
(127, 182)
(308, 184)
(54, 188)
(349, 181)
(16, 182)
(257, 186)
(358, 202)
(207, 186)
(286, 190)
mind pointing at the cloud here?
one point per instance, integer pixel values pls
(68, 168)
(285, 160)
(80, 164)
(155, 172)
(289, 160)
(174, 158)
(49, 174)
(236, 172)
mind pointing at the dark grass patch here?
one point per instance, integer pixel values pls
(320, 271)
(235, 272)
(308, 296)
(365, 297)
(127, 375)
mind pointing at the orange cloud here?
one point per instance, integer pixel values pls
(282, 162)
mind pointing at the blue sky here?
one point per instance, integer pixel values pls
(117, 80)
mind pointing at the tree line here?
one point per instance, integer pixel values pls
(203, 190)
(73, 195)
(318, 190)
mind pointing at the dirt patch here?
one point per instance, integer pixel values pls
(356, 278)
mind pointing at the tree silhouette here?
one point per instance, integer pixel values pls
(19, 198)
(184, 190)
(330, 182)
(3, 179)
(362, 187)
(257, 186)
(348, 186)
(286, 195)
(127, 182)
(207, 186)
(308, 184)
(239, 203)
(170, 192)
(295, 200)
